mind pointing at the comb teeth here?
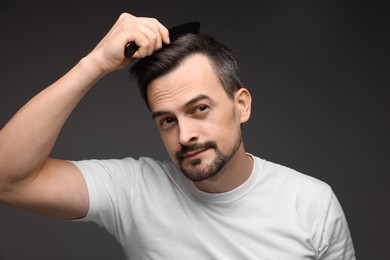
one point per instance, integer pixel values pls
(182, 29)
(174, 33)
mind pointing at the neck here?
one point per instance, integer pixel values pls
(232, 175)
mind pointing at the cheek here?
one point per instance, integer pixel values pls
(227, 128)
(170, 143)
(228, 122)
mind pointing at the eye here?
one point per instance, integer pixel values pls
(201, 109)
(166, 121)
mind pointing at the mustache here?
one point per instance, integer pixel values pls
(193, 147)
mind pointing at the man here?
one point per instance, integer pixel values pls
(213, 201)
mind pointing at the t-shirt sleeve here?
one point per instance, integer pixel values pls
(336, 241)
(109, 185)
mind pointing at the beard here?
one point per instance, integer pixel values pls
(195, 171)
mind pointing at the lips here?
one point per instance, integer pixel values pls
(193, 154)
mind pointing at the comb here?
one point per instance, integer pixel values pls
(174, 33)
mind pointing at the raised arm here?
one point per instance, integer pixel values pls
(28, 178)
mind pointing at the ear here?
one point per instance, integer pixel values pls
(243, 101)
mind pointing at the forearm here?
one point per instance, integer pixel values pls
(28, 138)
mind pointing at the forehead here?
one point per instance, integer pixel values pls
(193, 77)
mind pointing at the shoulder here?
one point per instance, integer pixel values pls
(117, 170)
(306, 199)
(124, 164)
(310, 204)
(292, 189)
(293, 180)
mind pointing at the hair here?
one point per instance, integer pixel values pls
(221, 58)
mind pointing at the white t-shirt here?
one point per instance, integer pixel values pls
(155, 212)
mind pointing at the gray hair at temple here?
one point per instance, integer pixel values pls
(223, 61)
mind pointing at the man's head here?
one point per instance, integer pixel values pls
(194, 92)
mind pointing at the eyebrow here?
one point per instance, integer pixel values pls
(189, 103)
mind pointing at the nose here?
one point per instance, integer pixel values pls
(187, 132)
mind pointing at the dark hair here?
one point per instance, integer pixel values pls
(223, 61)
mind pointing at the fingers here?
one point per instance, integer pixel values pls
(148, 34)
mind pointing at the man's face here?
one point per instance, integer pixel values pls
(198, 122)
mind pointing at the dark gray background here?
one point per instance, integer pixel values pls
(319, 76)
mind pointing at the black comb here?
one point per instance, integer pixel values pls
(174, 33)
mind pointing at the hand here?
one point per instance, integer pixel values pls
(147, 33)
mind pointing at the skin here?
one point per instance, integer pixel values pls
(190, 106)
